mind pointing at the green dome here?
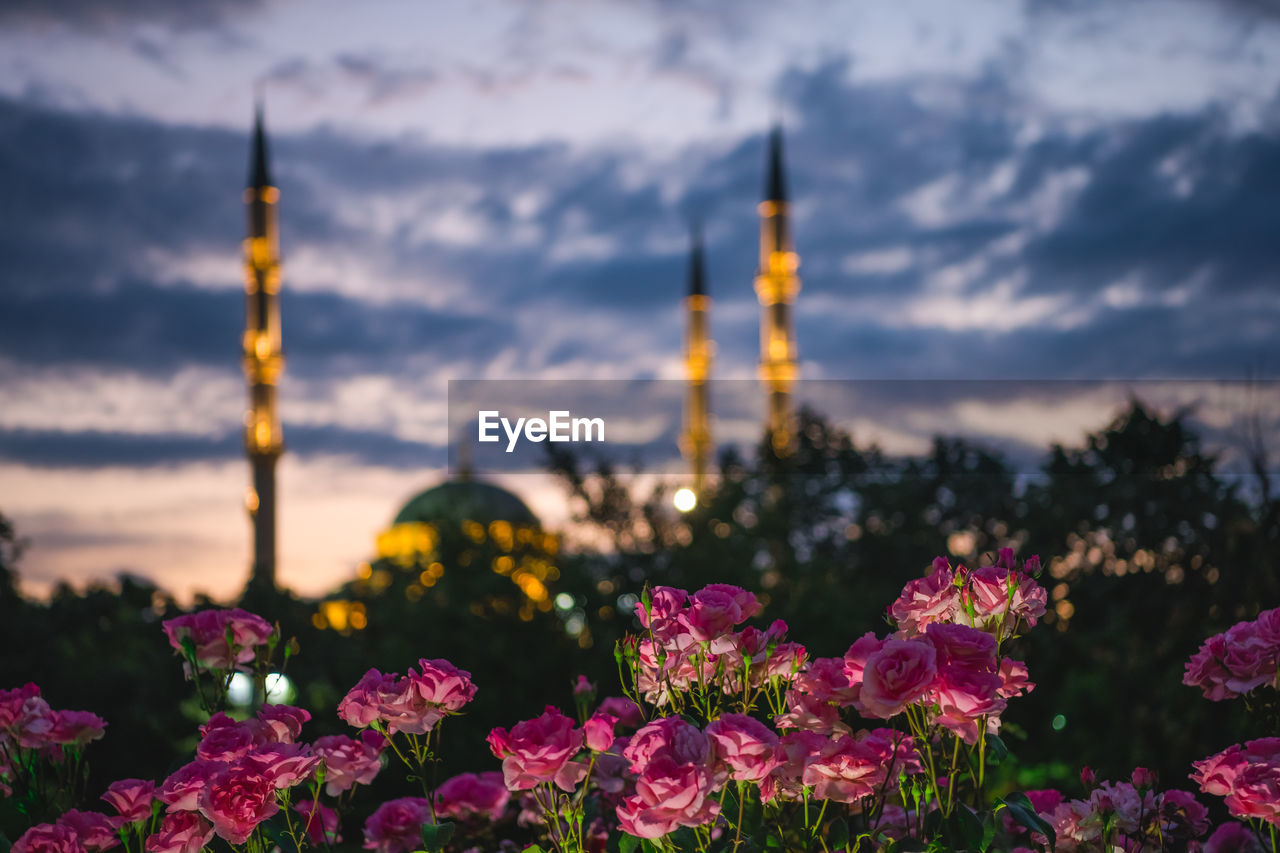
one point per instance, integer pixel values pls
(466, 500)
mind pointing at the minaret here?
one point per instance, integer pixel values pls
(777, 285)
(698, 353)
(263, 359)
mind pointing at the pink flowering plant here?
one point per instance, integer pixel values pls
(729, 738)
(216, 644)
(42, 751)
(1244, 663)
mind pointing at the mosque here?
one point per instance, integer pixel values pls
(465, 521)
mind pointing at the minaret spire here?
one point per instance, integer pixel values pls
(263, 356)
(699, 351)
(777, 286)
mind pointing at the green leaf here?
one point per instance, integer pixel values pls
(988, 830)
(997, 748)
(628, 843)
(1024, 814)
(838, 834)
(436, 835)
(683, 838)
(534, 848)
(966, 827)
(752, 811)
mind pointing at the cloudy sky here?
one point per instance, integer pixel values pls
(1048, 189)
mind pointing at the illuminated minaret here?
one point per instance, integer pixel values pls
(699, 350)
(777, 285)
(263, 359)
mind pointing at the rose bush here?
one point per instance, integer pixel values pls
(729, 737)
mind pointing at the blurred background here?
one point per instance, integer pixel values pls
(1032, 191)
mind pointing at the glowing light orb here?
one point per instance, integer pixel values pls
(685, 500)
(280, 690)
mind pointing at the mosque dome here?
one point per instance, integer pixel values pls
(460, 501)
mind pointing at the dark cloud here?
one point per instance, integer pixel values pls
(1159, 201)
(76, 449)
(380, 80)
(1167, 198)
(93, 15)
(154, 329)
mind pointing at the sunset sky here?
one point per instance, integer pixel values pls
(1048, 189)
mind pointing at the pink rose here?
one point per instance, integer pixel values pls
(598, 731)
(413, 704)
(990, 589)
(1142, 778)
(442, 684)
(1122, 804)
(583, 689)
(396, 826)
(671, 737)
(285, 764)
(845, 771)
(1207, 671)
(1217, 773)
(926, 600)
(811, 712)
(612, 773)
(748, 746)
(11, 702)
(795, 751)
(283, 721)
(1001, 596)
(1233, 837)
(132, 798)
(1250, 660)
(181, 791)
(27, 717)
(1267, 628)
(664, 603)
(713, 612)
(347, 762)
(94, 831)
(539, 750)
(968, 683)
(76, 728)
(668, 795)
(628, 712)
(209, 631)
(360, 706)
(248, 629)
(1044, 801)
(784, 661)
(320, 823)
(1182, 816)
(897, 751)
(225, 739)
(828, 679)
(181, 832)
(901, 673)
(1255, 792)
(855, 660)
(48, 838)
(961, 645)
(236, 801)
(1014, 679)
(468, 794)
